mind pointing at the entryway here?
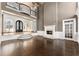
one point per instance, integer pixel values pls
(19, 26)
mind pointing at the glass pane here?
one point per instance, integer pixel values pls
(21, 25)
(68, 30)
(17, 26)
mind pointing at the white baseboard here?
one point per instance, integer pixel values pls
(55, 34)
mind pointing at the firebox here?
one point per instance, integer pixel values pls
(49, 32)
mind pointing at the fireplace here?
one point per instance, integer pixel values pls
(49, 30)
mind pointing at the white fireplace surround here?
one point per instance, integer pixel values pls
(49, 28)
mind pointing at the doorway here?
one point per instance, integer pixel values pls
(19, 26)
(69, 28)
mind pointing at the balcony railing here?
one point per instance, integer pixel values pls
(33, 13)
(22, 8)
(13, 5)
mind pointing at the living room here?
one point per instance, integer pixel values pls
(38, 26)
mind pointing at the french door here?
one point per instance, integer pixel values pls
(19, 26)
(69, 28)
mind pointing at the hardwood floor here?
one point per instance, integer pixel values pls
(39, 46)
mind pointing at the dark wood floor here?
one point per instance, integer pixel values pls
(39, 46)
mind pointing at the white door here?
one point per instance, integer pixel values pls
(69, 28)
